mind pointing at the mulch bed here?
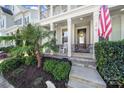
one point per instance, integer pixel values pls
(31, 77)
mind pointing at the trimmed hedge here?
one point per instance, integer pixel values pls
(59, 69)
(110, 61)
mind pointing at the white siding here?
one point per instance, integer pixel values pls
(9, 21)
(122, 26)
(116, 28)
(20, 16)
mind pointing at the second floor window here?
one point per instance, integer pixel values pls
(26, 20)
(18, 22)
(45, 11)
(1, 23)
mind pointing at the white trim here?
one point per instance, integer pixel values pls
(82, 27)
(89, 9)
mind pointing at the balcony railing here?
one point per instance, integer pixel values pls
(75, 6)
(58, 9)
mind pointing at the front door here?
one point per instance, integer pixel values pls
(81, 37)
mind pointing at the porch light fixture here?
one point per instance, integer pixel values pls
(81, 18)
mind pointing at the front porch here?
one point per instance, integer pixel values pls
(75, 36)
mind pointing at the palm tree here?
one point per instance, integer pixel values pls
(32, 39)
(35, 39)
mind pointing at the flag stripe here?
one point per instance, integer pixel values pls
(105, 27)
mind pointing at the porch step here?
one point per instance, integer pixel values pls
(83, 62)
(82, 77)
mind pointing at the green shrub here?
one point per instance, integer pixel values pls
(30, 60)
(59, 69)
(11, 64)
(110, 61)
(49, 65)
(6, 49)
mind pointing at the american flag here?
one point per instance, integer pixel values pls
(105, 26)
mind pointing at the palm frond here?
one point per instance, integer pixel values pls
(21, 50)
(7, 38)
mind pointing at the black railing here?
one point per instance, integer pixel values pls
(78, 48)
(82, 48)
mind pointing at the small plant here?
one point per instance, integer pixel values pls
(49, 65)
(6, 49)
(11, 64)
(59, 69)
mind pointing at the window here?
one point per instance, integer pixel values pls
(18, 22)
(64, 36)
(26, 20)
(1, 23)
(45, 11)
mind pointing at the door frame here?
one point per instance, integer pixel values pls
(82, 27)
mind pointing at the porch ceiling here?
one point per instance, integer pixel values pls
(117, 10)
(76, 20)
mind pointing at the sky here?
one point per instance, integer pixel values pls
(26, 6)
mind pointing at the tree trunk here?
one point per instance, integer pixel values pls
(39, 58)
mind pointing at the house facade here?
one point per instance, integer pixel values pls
(15, 17)
(76, 26)
(21, 16)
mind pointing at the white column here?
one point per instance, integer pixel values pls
(69, 7)
(39, 12)
(95, 25)
(51, 27)
(73, 33)
(91, 31)
(69, 23)
(95, 30)
(23, 19)
(51, 10)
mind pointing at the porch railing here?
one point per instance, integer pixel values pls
(82, 48)
(63, 48)
(79, 48)
(76, 48)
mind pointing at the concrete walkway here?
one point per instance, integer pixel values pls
(84, 74)
(4, 83)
